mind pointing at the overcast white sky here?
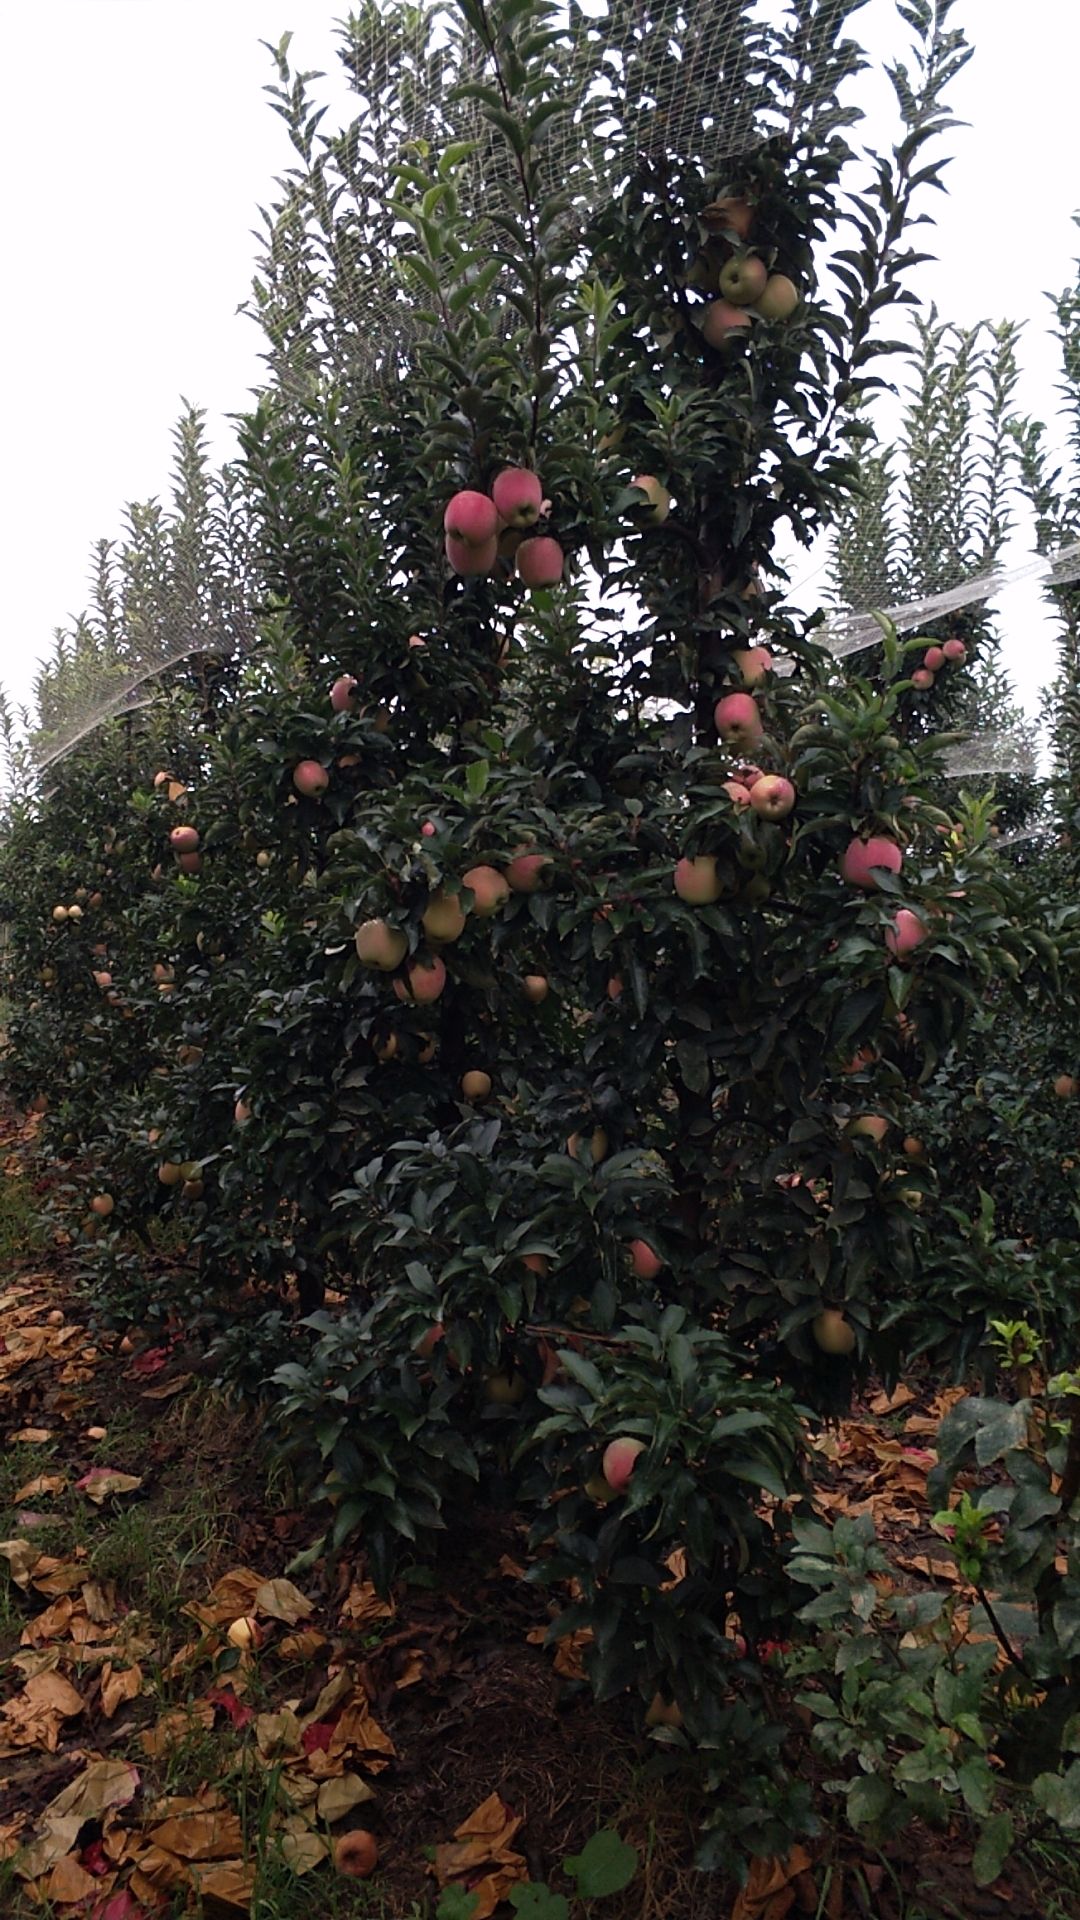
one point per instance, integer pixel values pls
(136, 143)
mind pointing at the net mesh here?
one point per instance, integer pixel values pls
(640, 85)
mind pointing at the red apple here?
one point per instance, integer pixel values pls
(380, 945)
(472, 519)
(870, 1126)
(1065, 1086)
(310, 779)
(922, 679)
(540, 562)
(697, 881)
(737, 720)
(620, 1458)
(184, 839)
(905, 934)
(241, 1113)
(468, 561)
(189, 862)
(955, 651)
(721, 320)
(536, 987)
(743, 280)
(772, 796)
(356, 1854)
(525, 872)
(934, 658)
(861, 857)
(645, 1262)
(737, 793)
(343, 693)
(424, 981)
(517, 495)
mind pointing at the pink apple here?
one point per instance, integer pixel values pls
(189, 862)
(472, 518)
(644, 1260)
(468, 562)
(428, 829)
(738, 721)
(721, 320)
(540, 561)
(343, 693)
(184, 839)
(779, 298)
(310, 779)
(861, 857)
(743, 280)
(748, 775)
(737, 793)
(697, 881)
(620, 1458)
(955, 651)
(424, 981)
(772, 796)
(934, 659)
(489, 888)
(753, 663)
(517, 495)
(525, 872)
(922, 679)
(906, 933)
(658, 497)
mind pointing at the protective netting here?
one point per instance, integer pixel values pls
(634, 86)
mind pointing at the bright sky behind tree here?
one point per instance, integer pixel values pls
(137, 144)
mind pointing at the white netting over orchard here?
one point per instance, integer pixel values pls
(633, 96)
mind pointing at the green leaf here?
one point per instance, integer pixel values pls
(605, 1865)
(995, 1845)
(868, 1799)
(455, 1903)
(535, 1901)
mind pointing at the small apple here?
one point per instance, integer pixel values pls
(356, 1854)
(517, 496)
(475, 1085)
(737, 720)
(428, 1341)
(245, 1633)
(343, 693)
(754, 663)
(922, 679)
(743, 279)
(905, 934)
(657, 497)
(241, 1113)
(833, 1332)
(490, 890)
(598, 1145)
(737, 793)
(779, 298)
(169, 1173)
(540, 562)
(619, 1461)
(1065, 1086)
(536, 987)
(645, 1262)
(310, 779)
(525, 872)
(102, 1204)
(74, 913)
(697, 881)
(443, 919)
(505, 1389)
(861, 857)
(424, 981)
(772, 796)
(955, 651)
(869, 1126)
(471, 519)
(189, 862)
(469, 562)
(722, 321)
(934, 658)
(380, 945)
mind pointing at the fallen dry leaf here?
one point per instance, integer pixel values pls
(44, 1483)
(900, 1397)
(118, 1686)
(481, 1857)
(176, 1726)
(102, 1785)
(282, 1601)
(338, 1797)
(769, 1892)
(102, 1482)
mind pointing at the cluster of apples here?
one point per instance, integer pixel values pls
(860, 863)
(184, 840)
(951, 653)
(385, 947)
(746, 287)
(481, 528)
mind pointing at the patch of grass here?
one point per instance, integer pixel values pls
(22, 1230)
(319, 1895)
